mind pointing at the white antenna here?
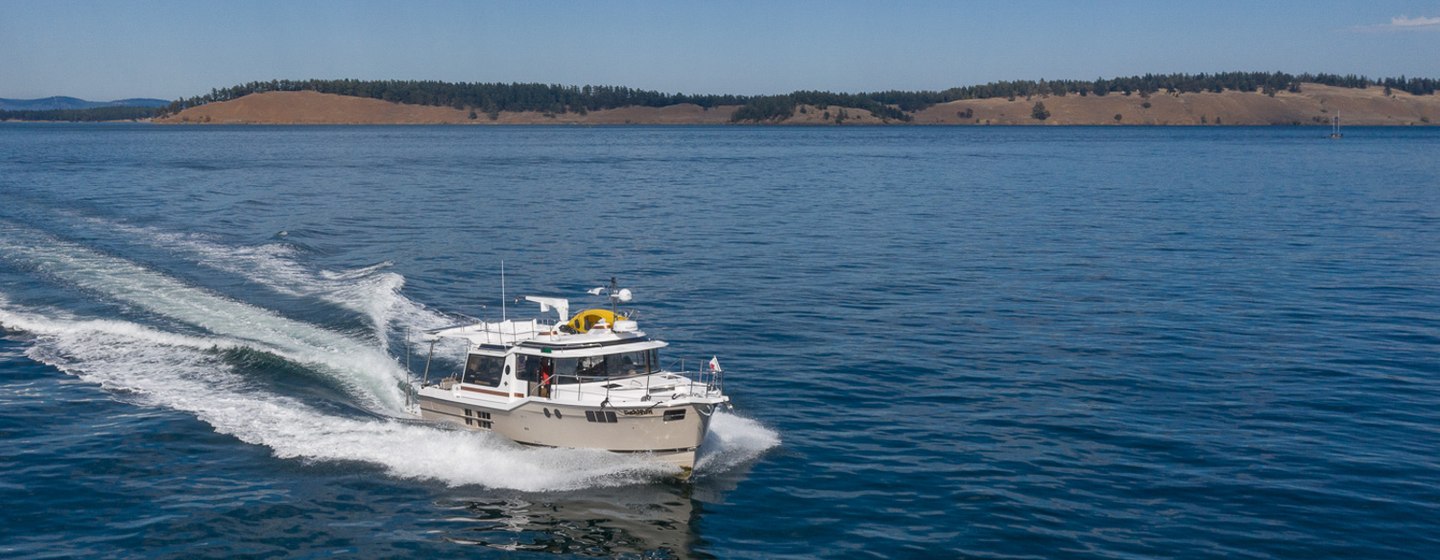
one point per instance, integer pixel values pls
(616, 294)
(502, 290)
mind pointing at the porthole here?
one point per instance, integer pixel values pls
(547, 413)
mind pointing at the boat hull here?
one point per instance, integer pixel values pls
(671, 434)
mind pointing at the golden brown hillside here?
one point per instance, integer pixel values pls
(1314, 105)
(308, 107)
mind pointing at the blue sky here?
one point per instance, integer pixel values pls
(104, 50)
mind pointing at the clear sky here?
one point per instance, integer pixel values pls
(102, 50)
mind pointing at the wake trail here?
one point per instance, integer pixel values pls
(371, 291)
(370, 373)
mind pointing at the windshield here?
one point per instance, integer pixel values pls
(483, 370)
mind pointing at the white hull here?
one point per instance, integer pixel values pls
(670, 432)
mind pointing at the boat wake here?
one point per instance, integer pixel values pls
(186, 361)
(371, 291)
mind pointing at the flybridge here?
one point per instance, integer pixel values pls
(512, 332)
(589, 327)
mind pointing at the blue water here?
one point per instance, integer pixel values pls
(941, 342)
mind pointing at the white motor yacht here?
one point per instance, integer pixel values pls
(592, 380)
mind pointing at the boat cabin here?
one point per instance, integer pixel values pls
(532, 367)
(527, 358)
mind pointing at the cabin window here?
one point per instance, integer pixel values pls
(568, 370)
(529, 368)
(626, 364)
(484, 370)
(597, 368)
(586, 369)
(590, 368)
(564, 370)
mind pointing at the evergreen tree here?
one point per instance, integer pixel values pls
(1038, 112)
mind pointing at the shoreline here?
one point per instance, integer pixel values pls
(1314, 105)
(744, 124)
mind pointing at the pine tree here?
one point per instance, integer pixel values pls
(1039, 112)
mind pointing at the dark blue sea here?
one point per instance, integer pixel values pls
(1043, 342)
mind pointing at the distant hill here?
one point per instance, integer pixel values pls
(1228, 98)
(893, 105)
(310, 107)
(1313, 104)
(62, 103)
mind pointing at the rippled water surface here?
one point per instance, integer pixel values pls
(941, 342)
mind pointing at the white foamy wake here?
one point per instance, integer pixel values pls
(372, 376)
(733, 441)
(371, 291)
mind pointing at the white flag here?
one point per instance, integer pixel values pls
(715, 364)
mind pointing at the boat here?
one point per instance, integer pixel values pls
(593, 380)
(1335, 128)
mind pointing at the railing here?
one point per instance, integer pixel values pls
(505, 332)
(695, 384)
(709, 380)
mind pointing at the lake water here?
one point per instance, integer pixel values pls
(941, 342)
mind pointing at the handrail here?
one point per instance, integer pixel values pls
(496, 332)
(694, 384)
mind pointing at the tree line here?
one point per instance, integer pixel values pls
(97, 114)
(780, 107)
(492, 98)
(897, 105)
(1264, 82)
(489, 98)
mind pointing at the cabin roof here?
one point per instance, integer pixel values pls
(540, 337)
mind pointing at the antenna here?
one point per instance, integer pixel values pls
(502, 290)
(613, 288)
(616, 294)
